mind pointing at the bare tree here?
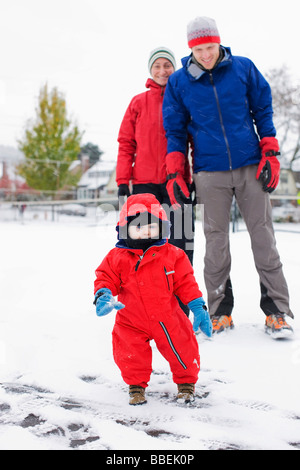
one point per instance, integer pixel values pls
(286, 104)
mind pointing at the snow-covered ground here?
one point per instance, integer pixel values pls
(60, 388)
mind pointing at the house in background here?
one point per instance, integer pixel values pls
(12, 186)
(297, 179)
(97, 181)
(287, 183)
(112, 187)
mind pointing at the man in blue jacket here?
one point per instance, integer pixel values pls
(223, 105)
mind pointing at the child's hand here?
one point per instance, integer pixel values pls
(201, 317)
(105, 302)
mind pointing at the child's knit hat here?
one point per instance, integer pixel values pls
(202, 30)
(159, 53)
(144, 209)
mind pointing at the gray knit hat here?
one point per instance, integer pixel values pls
(161, 52)
(202, 30)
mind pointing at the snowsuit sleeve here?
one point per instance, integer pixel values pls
(185, 285)
(127, 145)
(107, 275)
(175, 118)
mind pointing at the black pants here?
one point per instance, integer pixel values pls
(182, 221)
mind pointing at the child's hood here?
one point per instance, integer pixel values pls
(140, 203)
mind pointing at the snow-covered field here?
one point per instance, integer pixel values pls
(60, 388)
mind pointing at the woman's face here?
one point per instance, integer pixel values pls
(161, 70)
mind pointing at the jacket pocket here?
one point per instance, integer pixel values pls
(169, 278)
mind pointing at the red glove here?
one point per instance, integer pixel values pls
(269, 167)
(178, 191)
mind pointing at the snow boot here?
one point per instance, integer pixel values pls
(186, 393)
(221, 323)
(277, 327)
(136, 395)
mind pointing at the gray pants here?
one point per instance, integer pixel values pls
(215, 190)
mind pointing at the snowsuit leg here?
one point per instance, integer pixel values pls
(132, 354)
(177, 342)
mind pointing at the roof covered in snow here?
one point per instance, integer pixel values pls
(98, 175)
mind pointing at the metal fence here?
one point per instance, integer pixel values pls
(285, 214)
(80, 211)
(105, 210)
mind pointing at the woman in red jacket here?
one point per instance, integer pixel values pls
(143, 149)
(148, 274)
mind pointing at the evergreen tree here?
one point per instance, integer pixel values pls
(92, 151)
(51, 143)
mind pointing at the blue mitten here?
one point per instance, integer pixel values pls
(201, 316)
(105, 302)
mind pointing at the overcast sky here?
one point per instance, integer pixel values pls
(96, 52)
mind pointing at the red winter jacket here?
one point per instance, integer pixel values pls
(146, 283)
(142, 140)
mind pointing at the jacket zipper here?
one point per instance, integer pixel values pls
(160, 122)
(221, 119)
(139, 262)
(172, 345)
(141, 259)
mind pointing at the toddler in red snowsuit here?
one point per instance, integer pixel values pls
(148, 275)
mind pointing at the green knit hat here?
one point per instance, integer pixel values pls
(161, 52)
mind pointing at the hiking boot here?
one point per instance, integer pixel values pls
(221, 323)
(136, 395)
(277, 327)
(186, 393)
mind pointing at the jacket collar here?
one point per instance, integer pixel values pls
(196, 72)
(150, 83)
(121, 244)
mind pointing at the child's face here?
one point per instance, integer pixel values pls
(143, 232)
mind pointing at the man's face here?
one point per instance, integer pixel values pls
(161, 70)
(207, 54)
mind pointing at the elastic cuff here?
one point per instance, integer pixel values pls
(101, 292)
(196, 303)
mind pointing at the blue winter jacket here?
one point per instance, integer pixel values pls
(225, 111)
